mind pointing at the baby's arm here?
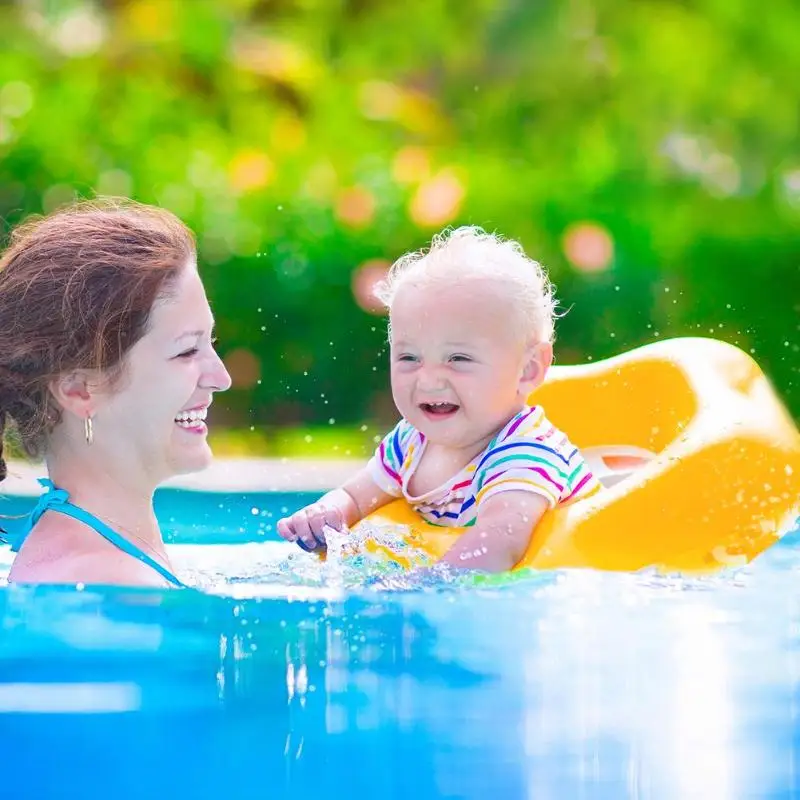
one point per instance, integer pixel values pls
(501, 534)
(343, 506)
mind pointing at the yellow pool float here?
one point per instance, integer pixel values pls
(723, 483)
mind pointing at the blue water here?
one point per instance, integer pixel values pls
(283, 679)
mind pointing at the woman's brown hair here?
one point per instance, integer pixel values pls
(76, 291)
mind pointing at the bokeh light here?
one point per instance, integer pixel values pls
(380, 100)
(250, 170)
(411, 165)
(355, 206)
(588, 246)
(80, 32)
(438, 200)
(244, 368)
(365, 280)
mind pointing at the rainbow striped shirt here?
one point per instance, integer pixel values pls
(529, 454)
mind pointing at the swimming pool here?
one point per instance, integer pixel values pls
(282, 679)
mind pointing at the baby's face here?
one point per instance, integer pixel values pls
(460, 369)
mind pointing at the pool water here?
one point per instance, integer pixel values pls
(289, 678)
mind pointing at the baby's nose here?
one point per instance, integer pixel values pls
(431, 380)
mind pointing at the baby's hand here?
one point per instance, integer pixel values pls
(307, 526)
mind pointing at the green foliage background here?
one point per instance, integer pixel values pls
(302, 138)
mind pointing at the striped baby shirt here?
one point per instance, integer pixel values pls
(529, 454)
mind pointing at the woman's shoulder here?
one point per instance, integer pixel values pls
(61, 553)
(89, 569)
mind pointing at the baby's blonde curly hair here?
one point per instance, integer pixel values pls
(471, 252)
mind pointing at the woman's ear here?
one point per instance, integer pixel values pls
(74, 392)
(538, 359)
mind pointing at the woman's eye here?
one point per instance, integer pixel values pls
(188, 353)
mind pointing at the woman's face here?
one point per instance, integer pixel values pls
(154, 417)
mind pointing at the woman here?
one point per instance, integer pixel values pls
(107, 367)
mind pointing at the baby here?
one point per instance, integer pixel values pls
(471, 330)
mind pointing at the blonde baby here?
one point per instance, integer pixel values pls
(471, 336)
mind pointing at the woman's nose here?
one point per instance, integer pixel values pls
(217, 378)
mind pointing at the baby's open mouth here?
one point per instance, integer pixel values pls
(439, 409)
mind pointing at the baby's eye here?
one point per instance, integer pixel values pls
(460, 357)
(405, 357)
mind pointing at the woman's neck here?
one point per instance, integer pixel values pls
(122, 502)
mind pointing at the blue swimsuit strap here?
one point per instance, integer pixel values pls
(58, 500)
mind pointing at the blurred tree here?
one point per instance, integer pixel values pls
(646, 152)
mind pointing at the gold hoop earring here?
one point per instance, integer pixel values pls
(88, 430)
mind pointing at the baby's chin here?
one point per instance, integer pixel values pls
(454, 437)
(461, 436)
(429, 420)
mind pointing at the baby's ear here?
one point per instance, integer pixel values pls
(538, 358)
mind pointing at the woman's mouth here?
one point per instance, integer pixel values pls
(193, 420)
